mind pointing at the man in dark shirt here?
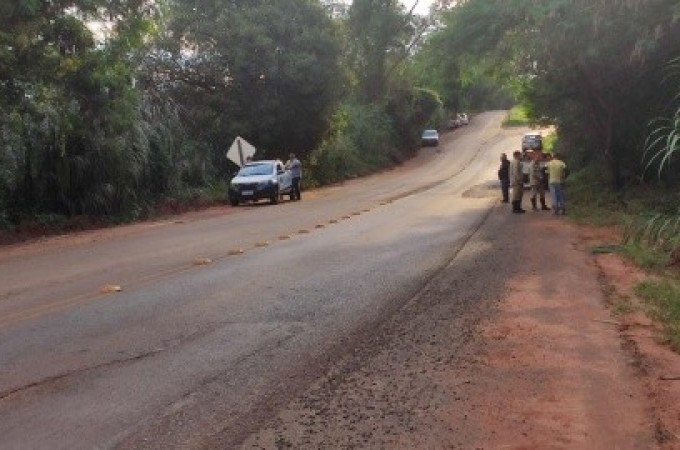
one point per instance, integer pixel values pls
(517, 182)
(504, 177)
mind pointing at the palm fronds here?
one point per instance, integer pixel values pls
(663, 141)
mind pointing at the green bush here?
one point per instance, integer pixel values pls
(361, 140)
(335, 160)
(518, 116)
(549, 143)
(664, 299)
(591, 199)
(649, 215)
(411, 110)
(428, 110)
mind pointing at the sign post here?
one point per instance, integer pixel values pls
(240, 151)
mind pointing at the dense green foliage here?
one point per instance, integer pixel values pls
(597, 70)
(663, 142)
(517, 116)
(110, 107)
(71, 123)
(267, 71)
(365, 137)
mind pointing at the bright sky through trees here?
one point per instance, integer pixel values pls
(423, 7)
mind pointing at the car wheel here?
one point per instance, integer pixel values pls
(233, 201)
(274, 199)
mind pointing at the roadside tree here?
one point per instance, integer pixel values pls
(267, 71)
(592, 68)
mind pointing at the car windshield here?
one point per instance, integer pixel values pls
(429, 133)
(256, 169)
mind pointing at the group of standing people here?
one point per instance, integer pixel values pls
(546, 172)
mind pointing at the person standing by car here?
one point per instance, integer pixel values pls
(546, 159)
(557, 174)
(504, 177)
(293, 164)
(517, 182)
(536, 181)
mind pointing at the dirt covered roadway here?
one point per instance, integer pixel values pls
(515, 348)
(408, 309)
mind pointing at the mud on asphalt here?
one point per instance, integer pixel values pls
(509, 345)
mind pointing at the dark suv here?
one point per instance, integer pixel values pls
(532, 141)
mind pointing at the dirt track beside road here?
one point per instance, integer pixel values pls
(510, 346)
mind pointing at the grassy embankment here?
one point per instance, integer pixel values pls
(647, 224)
(650, 238)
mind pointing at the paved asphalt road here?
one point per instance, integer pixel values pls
(187, 351)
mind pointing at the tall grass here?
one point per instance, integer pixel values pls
(663, 141)
(641, 218)
(663, 298)
(592, 200)
(660, 230)
(653, 238)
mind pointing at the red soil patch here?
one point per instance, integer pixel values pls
(554, 373)
(658, 366)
